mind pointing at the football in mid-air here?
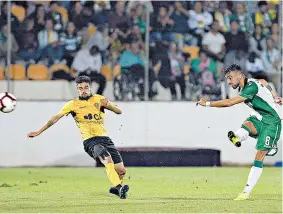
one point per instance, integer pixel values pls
(8, 102)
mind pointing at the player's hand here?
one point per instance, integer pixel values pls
(279, 100)
(202, 102)
(33, 134)
(105, 102)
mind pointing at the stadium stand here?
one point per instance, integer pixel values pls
(41, 48)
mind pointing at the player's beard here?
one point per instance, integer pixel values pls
(85, 96)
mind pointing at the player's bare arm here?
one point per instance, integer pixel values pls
(222, 103)
(277, 99)
(110, 106)
(50, 123)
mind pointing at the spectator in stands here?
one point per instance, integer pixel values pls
(4, 45)
(140, 19)
(88, 14)
(137, 37)
(55, 16)
(101, 17)
(263, 18)
(210, 6)
(177, 71)
(101, 40)
(162, 65)
(271, 57)
(88, 62)
(48, 35)
(223, 16)
(49, 45)
(71, 42)
(14, 21)
(255, 68)
(167, 4)
(214, 43)
(76, 16)
(29, 45)
(199, 21)
(31, 7)
(180, 18)
(275, 34)
(39, 17)
(258, 41)
(118, 17)
(132, 62)
(119, 21)
(244, 19)
(204, 65)
(161, 26)
(3, 17)
(236, 46)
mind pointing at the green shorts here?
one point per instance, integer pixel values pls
(267, 134)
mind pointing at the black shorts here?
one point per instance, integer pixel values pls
(94, 146)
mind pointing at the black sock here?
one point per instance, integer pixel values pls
(118, 187)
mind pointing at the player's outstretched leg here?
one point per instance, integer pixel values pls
(234, 139)
(113, 176)
(242, 134)
(254, 176)
(239, 136)
(121, 170)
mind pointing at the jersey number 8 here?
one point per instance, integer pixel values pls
(267, 141)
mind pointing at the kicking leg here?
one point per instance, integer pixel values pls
(247, 129)
(113, 176)
(104, 156)
(107, 161)
(254, 176)
(121, 170)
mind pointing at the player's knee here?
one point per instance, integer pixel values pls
(121, 171)
(260, 155)
(250, 126)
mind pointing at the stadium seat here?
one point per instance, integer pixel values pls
(91, 30)
(192, 50)
(19, 12)
(64, 13)
(17, 72)
(57, 67)
(38, 72)
(2, 75)
(107, 72)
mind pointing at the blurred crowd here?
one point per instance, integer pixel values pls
(189, 41)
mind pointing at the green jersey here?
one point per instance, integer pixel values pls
(260, 99)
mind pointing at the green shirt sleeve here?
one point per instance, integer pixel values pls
(250, 90)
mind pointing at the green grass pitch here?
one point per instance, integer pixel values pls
(169, 190)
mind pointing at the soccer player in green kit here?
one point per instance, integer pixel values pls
(264, 124)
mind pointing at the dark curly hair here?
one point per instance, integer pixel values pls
(82, 79)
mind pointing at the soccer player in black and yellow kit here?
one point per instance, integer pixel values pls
(88, 112)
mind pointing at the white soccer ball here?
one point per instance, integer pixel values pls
(8, 102)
